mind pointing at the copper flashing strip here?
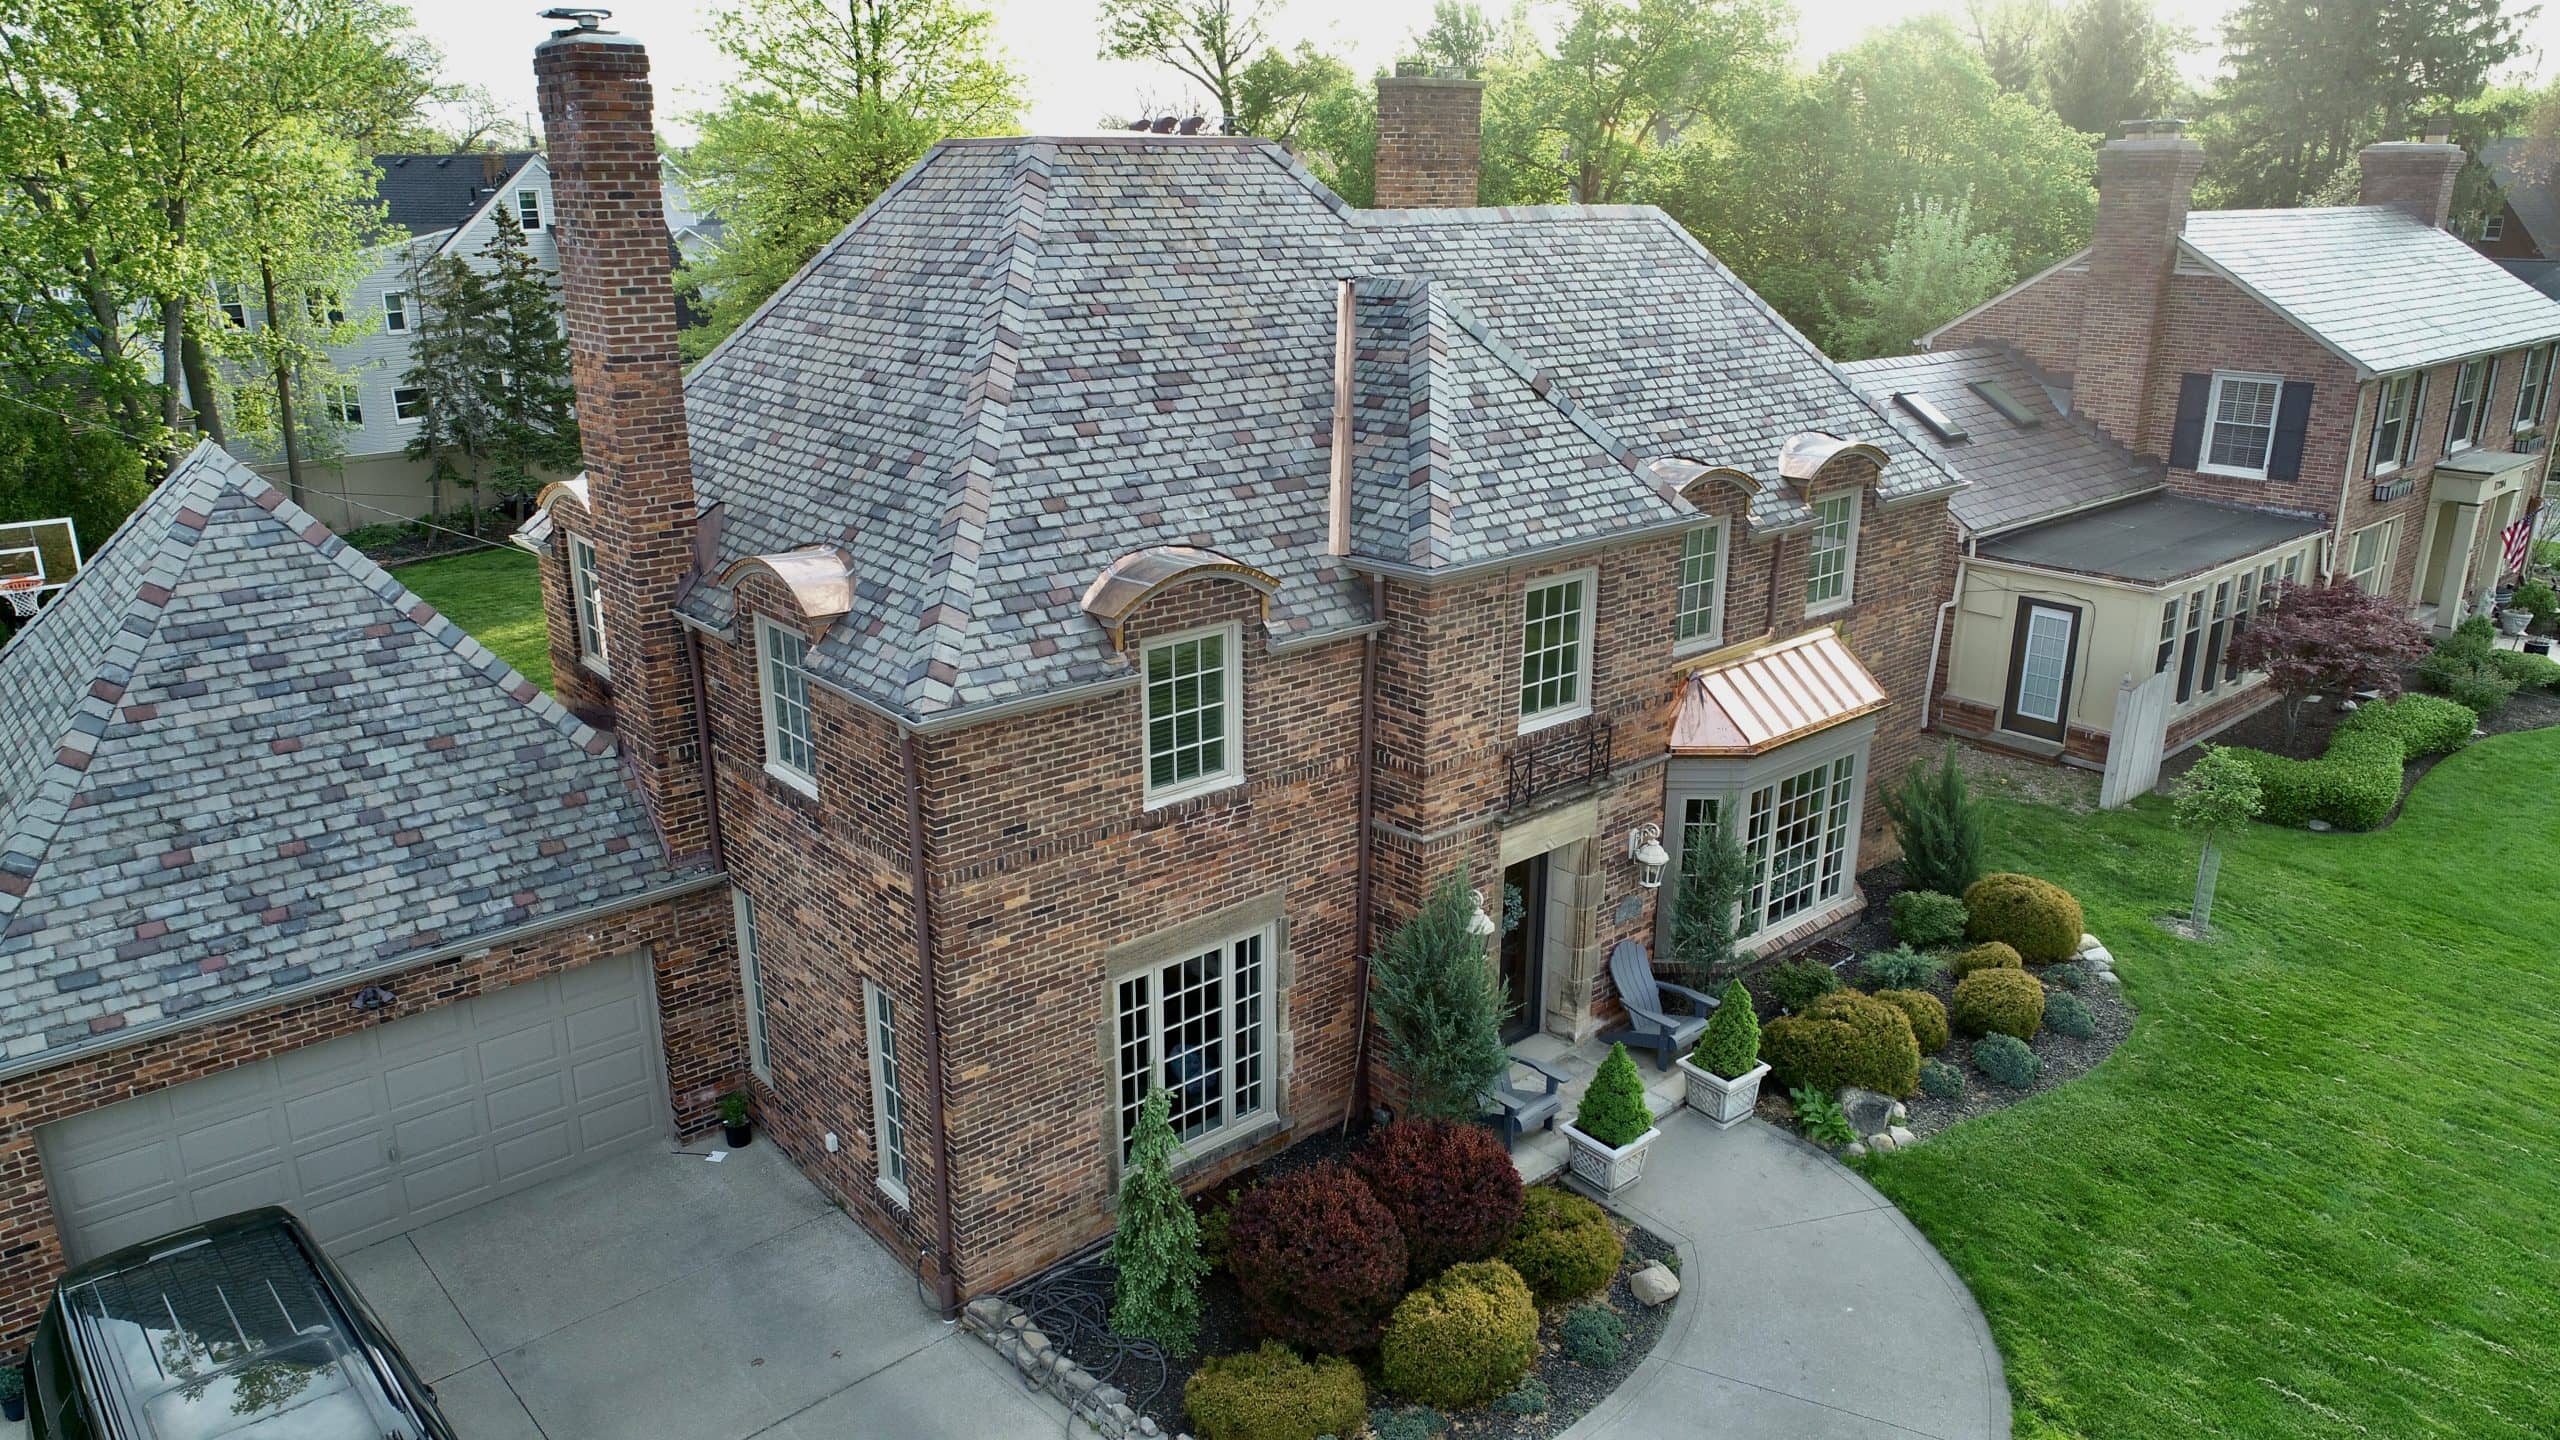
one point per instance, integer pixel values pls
(1346, 316)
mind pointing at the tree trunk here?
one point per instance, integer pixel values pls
(2208, 869)
(170, 327)
(200, 392)
(284, 395)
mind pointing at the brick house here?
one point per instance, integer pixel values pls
(1116, 576)
(2199, 404)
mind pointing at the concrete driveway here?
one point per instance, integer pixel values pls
(657, 1294)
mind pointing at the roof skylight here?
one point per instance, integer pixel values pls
(1940, 423)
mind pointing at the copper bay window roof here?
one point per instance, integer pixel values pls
(1769, 696)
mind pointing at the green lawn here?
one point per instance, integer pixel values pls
(497, 596)
(2317, 1192)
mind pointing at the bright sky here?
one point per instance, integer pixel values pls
(490, 43)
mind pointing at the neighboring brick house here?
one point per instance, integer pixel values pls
(1117, 576)
(2522, 230)
(2221, 373)
(307, 898)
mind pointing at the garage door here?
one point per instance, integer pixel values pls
(372, 1133)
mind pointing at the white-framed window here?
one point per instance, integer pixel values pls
(888, 1094)
(233, 301)
(1200, 1026)
(1830, 565)
(751, 983)
(2395, 421)
(2217, 636)
(2369, 553)
(2493, 228)
(1701, 621)
(1555, 650)
(790, 745)
(2240, 424)
(1797, 832)
(408, 404)
(346, 402)
(529, 208)
(1195, 695)
(325, 307)
(2293, 565)
(2533, 387)
(586, 591)
(2470, 404)
(2168, 650)
(395, 310)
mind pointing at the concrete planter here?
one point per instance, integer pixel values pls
(1600, 1169)
(1726, 1102)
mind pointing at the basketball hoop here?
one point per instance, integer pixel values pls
(22, 591)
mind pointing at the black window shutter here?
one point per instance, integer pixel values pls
(2293, 417)
(2186, 443)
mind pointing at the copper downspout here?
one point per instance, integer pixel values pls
(1364, 849)
(702, 747)
(946, 1282)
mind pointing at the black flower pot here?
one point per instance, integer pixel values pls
(13, 1407)
(740, 1135)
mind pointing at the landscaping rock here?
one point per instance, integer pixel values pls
(1856, 1149)
(1880, 1141)
(1868, 1110)
(2097, 955)
(1902, 1136)
(2109, 977)
(1654, 1284)
(2320, 826)
(2088, 942)
(1900, 1113)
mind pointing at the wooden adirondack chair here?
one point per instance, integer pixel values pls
(1518, 1109)
(1651, 1025)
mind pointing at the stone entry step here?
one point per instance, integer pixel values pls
(1541, 1154)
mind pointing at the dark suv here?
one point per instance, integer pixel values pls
(233, 1330)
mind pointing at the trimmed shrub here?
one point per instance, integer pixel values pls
(1999, 1002)
(2352, 787)
(1794, 984)
(1939, 824)
(1529, 1397)
(1941, 1081)
(1927, 918)
(1730, 1045)
(2007, 1059)
(1452, 1188)
(1215, 1218)
(1319, 1259)
(2529, 672)
(1900, 968)
(1271, 1394)
(1846, 1038)
(2069, 1015)
(2538, 597)
(1613, 1111)
(1565, 1247)
(1928, 1017)
(1594, 1335)
(2424, 724)
(1407, 1422)
(2466, 666)
(1463, 1338)
(2036, 918)
(2070, 974)
(2486, 692)
(1155, 1241)
(1993, 956)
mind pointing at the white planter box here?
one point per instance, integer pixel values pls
(1726, 1102)
(1600, 1168)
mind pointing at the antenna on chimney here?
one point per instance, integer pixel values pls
(580, 17)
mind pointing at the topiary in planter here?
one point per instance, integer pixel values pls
(1319, 1259)
(1941, 1081)
(1565, 1247)
(1593, 1334)
(1271, 1394)
(1452, 1188)
(1927, 919)
(1927, 1016)
(2069, 1015)
(1613, 1110)
(1730, 1045)
(1994, 956)
(1998, 1002)
(2037, 918)
(1463, 1338)
(1846, 1038)
(2007, 1059)
(1900, 968)
(1794, 984)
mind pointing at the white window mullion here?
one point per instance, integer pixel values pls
(751, 983)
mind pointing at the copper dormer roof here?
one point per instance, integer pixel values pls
(1133, 577)
(1775, 694)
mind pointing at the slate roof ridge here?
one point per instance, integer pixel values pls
(1546, 385)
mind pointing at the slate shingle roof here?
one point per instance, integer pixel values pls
(422, 194)
(2376, 286)
(2014, 474)
(239, 757)
(1030, 357)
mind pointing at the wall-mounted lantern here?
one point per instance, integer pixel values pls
(1644, 846)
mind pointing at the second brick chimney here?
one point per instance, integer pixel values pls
(1430, 141)
(617, 290)
(2145, 181)
(2416, 176)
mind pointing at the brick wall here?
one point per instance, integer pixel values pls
(2209, 324)
(2418, 178)
(2144, 183)
(1430, 141)
(698, 1010)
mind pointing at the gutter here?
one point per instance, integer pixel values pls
(1938, 631)
(702, 748)
(946, 1279)
(1364, 848)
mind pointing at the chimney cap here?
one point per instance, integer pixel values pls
(580, 17)
(2160, 128)
(2436, 129)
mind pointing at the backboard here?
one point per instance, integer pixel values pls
(37, 557)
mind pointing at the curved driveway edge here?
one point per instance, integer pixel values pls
(1810, 1308)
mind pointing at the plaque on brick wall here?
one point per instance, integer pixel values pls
(1629, 909)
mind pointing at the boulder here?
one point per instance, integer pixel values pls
(1868, 1110)
(1856, 1149)
(1902, 1136)
(1654, 1284)
(1881, 1142)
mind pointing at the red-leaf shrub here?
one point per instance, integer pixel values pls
(2331, 639)
(1319, 1259)
(1454, 1192)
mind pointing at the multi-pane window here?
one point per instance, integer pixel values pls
(2493, 229)
(324, 307)
(2194, 641)
(2395, 422)
(529, 209)
(587, 590)
(888, 1096)
(1192, 700)
(346, 402)
(2531, 389)
(790, 746)
(1797, 831)
(1699, 817)
(1555, 651)
(2293, 565)
(2215, 637)
(1702, 586)
(2168, 637)
(2244, 605)
(408, 403)
(233, 302)
(2470, 404)
(2242, 427)
(1834, 551)
(1200, 1028)
(751, 980)
(2369, 556)
(395, 310)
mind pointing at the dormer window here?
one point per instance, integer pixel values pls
(1193, 697)
(529, 209)
(790, 744)
(1830, 566)
(588, 594)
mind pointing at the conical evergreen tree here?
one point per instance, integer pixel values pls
(1155, 1245)
(533, 418)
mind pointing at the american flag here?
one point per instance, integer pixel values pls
(2517, 538)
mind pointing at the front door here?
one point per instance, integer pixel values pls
(1522, 955)
(2040, 669)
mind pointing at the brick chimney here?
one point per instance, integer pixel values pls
(617, 288)
(2145, 181)
(1430, 140)
(2416, 176)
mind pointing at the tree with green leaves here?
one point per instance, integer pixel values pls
(2011, 37)
(1211, 43)
(58, 457)
(1715, 876)
(1439, 1006)
(1155, 1240)
(1460, 39)
(1935, 268)
(2216, 796)
(532, 408)
(834, 99)
(2105, 62)
(1939, 825)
